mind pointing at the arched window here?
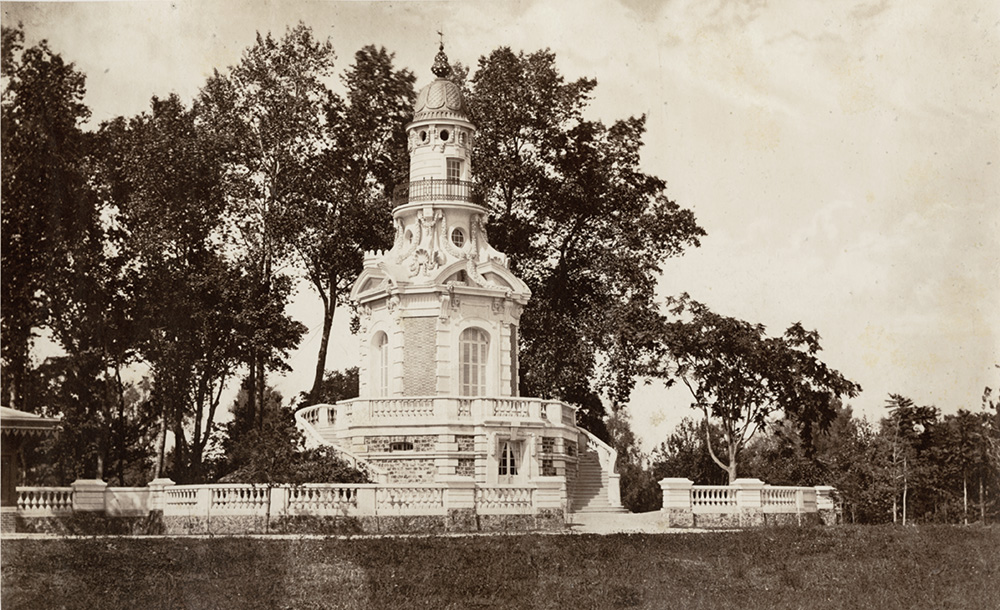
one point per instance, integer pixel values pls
(380, 365)
(473, 345)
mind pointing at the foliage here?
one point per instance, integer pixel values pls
(274, 453)
(347, 211)
(336, 386)
(47, 209)
(685, 454)
(266, 118)
(582, 225)
(742, 379)
(640, 491)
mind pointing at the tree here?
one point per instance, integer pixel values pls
(348, 211)
(336, 386)
(742, 379)
(909, 428)
(685, 453)
(47, 209)
(582, 225)
(639, 489)
(267, 118)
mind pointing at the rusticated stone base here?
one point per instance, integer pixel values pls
(506, 523)
(8, 520)
(550, 519)
(324, 526)
(93, 524)
(461, 520)
(677, 517)
(457, 520)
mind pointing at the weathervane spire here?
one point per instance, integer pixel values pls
(441, 67)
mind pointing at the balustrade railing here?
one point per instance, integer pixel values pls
(510, 407)
(504, 500)
(437, 189)
(713, 498)
(240, 498)
(322, 499)
(402, 407)
(44, 500)
(409, 500)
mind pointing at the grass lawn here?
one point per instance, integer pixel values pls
(838, 567)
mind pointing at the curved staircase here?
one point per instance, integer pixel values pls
(590, 489)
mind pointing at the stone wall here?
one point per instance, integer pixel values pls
(383, 444)
(419, 367)
(466, 442)
(466, 467)
(409, 471)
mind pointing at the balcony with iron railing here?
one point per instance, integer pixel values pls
(437, 189)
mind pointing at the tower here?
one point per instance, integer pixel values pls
(440, 309)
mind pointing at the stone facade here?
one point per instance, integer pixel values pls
(465, 442)
(410, 470)
(466, 467)
(387, 444)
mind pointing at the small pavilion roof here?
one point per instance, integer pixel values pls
(13, 421)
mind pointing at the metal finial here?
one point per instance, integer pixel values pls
(441, 67)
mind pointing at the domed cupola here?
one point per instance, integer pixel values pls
(441, 99)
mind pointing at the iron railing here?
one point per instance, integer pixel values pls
(436, 189)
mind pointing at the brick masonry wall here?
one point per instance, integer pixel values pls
(466, 442)
(419, 368)
(383, 444)
(409, 471)
(466, 467)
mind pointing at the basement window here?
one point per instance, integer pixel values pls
(401, 446)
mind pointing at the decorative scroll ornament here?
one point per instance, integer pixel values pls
(415, 242)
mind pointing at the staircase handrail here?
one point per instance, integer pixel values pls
(379, 474)
(607, 454)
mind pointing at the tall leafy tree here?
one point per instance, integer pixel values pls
(743, 380)
(267, 116)
(48, 214)
(583, 226)
(348, 210)
(909, 428)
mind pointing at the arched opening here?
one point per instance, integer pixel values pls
(473, 346)
(380, 364)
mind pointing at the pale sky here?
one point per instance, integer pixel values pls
(843, 156)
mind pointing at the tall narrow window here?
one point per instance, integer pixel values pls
(454, 170)
(508, 459)
(473, 345)
(380, 364)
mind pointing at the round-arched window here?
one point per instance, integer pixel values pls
(444, 135)
(473, 345)
(458, 237)
(380, 364)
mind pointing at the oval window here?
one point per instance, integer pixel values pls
(444, 135)
(458, 237)
(461, 138)
(423, 136)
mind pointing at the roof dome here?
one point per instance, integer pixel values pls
(441, 99)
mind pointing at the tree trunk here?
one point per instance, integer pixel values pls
(329, 305)
(965, 498)
(121, 424)
(162, 442)
(905, 489)
(982, 506)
